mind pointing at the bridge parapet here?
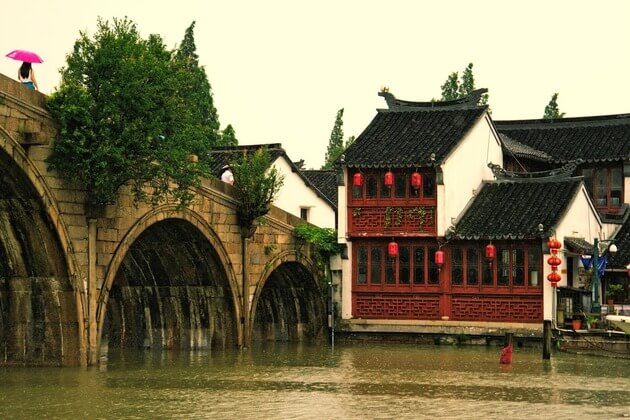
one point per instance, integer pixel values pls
(23, 113)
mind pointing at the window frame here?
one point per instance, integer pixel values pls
(604, 202)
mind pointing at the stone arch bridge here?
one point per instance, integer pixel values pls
(133, 275)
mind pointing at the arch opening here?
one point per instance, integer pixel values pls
(290, 307)
(171, 291)
(38, 303)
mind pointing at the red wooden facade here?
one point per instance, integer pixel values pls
(411, 285)
(376, 209)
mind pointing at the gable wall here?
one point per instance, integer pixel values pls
(464, 171)
(295, 194)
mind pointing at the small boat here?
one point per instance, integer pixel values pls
(620, 321)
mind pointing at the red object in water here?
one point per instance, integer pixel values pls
(358, 179)
(506, 355)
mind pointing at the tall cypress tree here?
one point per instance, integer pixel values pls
(196, 92)
(335, 144)
(552, 112)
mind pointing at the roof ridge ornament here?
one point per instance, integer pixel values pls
(563, 172)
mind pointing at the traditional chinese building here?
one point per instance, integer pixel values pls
(439, 235)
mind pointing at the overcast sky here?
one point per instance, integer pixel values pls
(280, 69)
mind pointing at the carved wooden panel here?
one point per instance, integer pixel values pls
(387, 220)
(396, 306)
(499, 308)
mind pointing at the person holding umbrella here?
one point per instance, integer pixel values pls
(26, 76)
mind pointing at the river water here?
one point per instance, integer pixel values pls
(351, 381)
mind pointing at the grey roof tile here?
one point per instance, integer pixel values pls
(592, 139)
(514, 210)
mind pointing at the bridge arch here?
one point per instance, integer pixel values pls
(288, 303)
(161, 221)
(48, 328)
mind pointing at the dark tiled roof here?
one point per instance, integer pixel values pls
(514, 210)
(578, 245)
(622, 239)
(520, 150)
(411, 137)
(225, 155)
(325, 182)
(592, 139)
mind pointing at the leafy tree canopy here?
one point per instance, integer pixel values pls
(453, 88)
(552, 112)
(228, 136)
(256, 183)
(125, 116)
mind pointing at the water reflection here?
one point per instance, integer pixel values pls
(298, 381)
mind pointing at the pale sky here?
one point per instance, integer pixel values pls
(280, 69)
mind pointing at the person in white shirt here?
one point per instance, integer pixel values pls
(26, 76)
(227, 175)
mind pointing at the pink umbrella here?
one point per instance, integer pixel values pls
(24, 55)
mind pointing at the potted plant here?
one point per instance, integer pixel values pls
(612, 291)
(592, 321)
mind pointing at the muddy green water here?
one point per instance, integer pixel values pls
(359, 381)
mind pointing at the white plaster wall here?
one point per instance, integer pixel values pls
(295, 194)
(346, 265)
(579, 221)
(464, 170)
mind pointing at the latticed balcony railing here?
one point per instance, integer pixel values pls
(403, 220)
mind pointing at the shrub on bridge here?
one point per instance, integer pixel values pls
(256, 183)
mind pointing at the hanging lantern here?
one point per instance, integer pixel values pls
(554, 245)
(416, 180)
(392, 249)
(389, 178)
(439, 258)
(491, 252)
(554, 278)
(628, 270)
(554, 262)
(357, 180)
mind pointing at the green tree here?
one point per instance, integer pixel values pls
(335, 143)
(228, 136)
(453, 88)
(123, 119)
(552, 112)
(196, 91)
(450, 88)
(256, 183)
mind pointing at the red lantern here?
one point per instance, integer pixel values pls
(389, 178)
(554, 244)
(357, 180)
(554, 262)
(491, 252)
(554, 278)
(628, 269)
(439, 258)
(392, 249)
(416, 180)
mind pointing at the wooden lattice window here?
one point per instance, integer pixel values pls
(605, 185)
